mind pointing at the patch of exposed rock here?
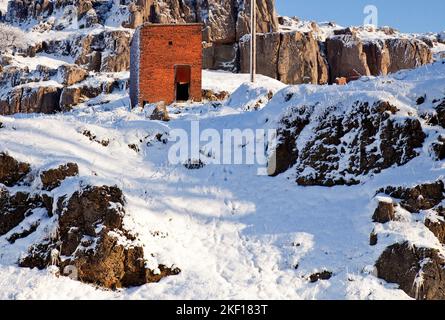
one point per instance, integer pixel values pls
(31, 99)
(11, 170)
(421, 197)
(340, 147)
(52, 179)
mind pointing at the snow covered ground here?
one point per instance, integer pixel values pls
(233, 233)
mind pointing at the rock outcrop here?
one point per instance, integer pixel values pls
(291, 57)
(351, 57)
(419, 271)
(342, 144)
(38, 98)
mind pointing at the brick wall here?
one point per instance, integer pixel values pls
(161, 48)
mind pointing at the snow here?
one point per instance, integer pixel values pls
(234, 234)
(226, 81)
(41, 59)
(4, 6)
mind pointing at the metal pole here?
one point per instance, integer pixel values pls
(253, 41)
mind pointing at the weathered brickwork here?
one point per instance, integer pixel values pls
(161, 49)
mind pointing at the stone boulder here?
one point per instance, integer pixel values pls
(160, 112)
(420, 272)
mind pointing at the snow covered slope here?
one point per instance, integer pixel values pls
(233, 233)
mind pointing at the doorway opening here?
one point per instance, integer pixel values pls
(183, 75)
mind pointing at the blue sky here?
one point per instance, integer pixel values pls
(404, 15)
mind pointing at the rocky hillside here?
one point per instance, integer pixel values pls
(76, 50)
(354, 209)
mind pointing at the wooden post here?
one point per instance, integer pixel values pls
(253, 41)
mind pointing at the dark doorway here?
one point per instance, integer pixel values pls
(182, 92)
(182, 82)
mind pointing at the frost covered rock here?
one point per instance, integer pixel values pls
(342, 143)
(92, 241)
(418, 269)
(420, 272)
(159, 112)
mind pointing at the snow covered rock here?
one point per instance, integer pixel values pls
(385, 212)
(91, 240)
(15, 207)
(159, 112)
(40, 99)
(419, 271)
(441, 37)
(421, 197)
(11, 170)
(52, 178)
(116, 55)
(338, 144)
(416, 265)
(438, 148)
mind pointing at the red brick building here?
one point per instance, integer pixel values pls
(166, 63)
